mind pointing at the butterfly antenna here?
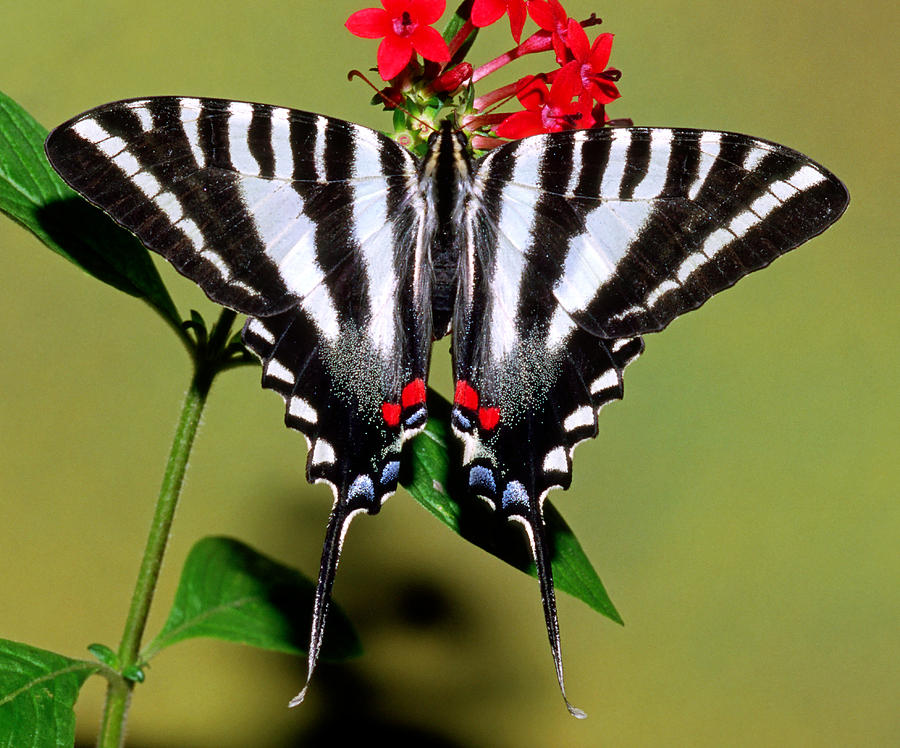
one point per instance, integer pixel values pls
(392, 103)
(338, 522)
(534, 527)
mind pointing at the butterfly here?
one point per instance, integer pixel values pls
(547, 259)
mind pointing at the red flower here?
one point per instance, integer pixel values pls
(405, 26)
(590, 61)
(549, 110)
(486, 12)
(551, 16)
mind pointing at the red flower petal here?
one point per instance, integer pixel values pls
(520, 125)
(430, 44)
(577, 41)
(567, 84)
(396, 8)
(427, 11)
(542, 15)
(370, 23)
(517, 17)
(534, 93)
(394, 54)
(486, 12)
(600, 52)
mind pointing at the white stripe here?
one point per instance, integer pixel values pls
(168, 204)
(662, 288)
(277, 370)
(654, 180)
(127, 163)
(609, 379)
(555, 461)
(754, 157)
(716, 241)
(190, 121)
(240, 115)
(260, 330)
(593, 256)
(300, 408)
(192, 231)
(561, 324)
(319, 306)
(583, 416)
(782, 190)
(319, 150)
(710, 145)
(578, 138)
(147, 184)
(692, 262)
(805, 177)
(611, 184)
(89, 130)
(281, 143)
(373, 231)
(764, 204)
(143, 114)
(323, 453)
(112, 146)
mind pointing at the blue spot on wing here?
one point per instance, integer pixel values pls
(482, 477)
(515, 495)
(390, 472)
(361, 489)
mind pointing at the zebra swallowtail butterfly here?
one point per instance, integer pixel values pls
(547, 259)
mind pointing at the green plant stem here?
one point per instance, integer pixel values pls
(118, 694)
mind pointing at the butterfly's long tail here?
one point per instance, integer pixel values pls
(537, 536)
(338, 522)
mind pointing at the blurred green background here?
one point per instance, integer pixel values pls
(740, 504)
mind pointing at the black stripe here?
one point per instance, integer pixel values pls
(259, 140)
(684, 161)
(213, 129)
(594, 161)
(552, 228)
(637, 161)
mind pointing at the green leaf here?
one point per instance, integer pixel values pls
(33, 195)
(105, 655)
(430, 482)
(38, 690)
(230, 591)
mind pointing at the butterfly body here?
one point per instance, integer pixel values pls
(547, 259)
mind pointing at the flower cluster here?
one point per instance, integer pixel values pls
(573, 95)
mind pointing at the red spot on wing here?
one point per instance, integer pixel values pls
(488, 418)
(413, 393)
(391, 413)
(465, 395)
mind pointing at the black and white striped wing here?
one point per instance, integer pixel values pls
(579, 243)
(311, 226)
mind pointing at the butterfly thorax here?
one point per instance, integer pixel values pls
(445, 176)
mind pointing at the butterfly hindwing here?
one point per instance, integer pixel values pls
(310, 225)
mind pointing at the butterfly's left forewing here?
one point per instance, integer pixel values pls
(311, 226)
